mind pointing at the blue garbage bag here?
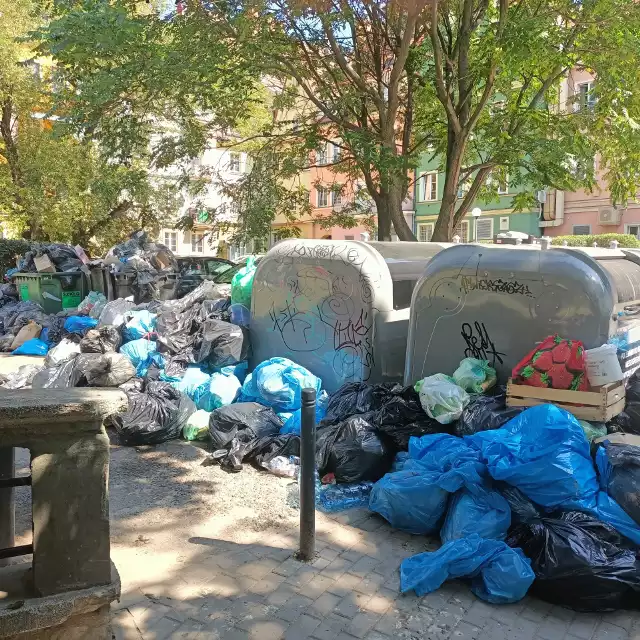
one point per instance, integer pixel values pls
(33, 347)
(142, 353)
(223, 389)
(456, 460)
(139, 325)
(498, 573)
(278, 383)
(79, 324)
(411, 499)
(544, 452)
(239, 370)
(478, 510)
(195, 384)
(293, 422)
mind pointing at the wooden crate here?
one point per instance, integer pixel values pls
(598, 405)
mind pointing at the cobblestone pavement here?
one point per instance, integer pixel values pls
(195, 565)
(204, 555)
(260, 591)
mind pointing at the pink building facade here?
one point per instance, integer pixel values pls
(580, 212)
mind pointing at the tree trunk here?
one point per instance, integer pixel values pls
(384, 217)
(445, 225)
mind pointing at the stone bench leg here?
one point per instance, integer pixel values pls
(7, 501)
(70, 512)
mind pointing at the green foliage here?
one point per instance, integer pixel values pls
(624, 240)
(9, 250)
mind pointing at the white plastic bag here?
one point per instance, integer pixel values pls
(65, 350)
(441, 398)
(602, 365)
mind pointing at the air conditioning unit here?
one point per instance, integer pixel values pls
(609, 215)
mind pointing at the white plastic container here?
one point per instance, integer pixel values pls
(603, 366)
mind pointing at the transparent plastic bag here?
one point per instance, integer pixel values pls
(197, 427)
(93, 304)
(441, 398)
(475, 376)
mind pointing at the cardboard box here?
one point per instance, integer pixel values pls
(44, 265)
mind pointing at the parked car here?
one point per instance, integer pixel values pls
(227, 276)
(194, 270)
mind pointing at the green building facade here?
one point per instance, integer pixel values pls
(497, 216)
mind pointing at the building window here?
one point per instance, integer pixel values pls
(428, 190)
(234, 162)
(504, 223)
(197, 242)
(425, 232)
(349, 237)
(336, 196)
(171, 240)
(634, 230)
(484, 228)
(462, 231)
(337, 153)
(586, 96)
(322, 195)
(581, 229)
(321, 155)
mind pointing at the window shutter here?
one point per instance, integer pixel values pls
(485, 228)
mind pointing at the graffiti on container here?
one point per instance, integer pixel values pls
(322, 309)
(479, 343)
(510, 287)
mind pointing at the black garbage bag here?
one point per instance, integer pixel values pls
(392, 409)
(178, 330)
(245, 421)
(579, 562)
(104, 339)
(262, 450)
(352, 451)
(70, 373)
(484, 413)
(176, 366)
(629, 420)
(619, 468)
(156, 415)
(109, 370)
(355, 398)
(223, 344)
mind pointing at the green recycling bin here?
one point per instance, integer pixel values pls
(53, 291)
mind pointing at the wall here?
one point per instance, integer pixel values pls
(582, 207)
(501, 208)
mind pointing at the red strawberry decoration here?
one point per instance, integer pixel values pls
(555, 363)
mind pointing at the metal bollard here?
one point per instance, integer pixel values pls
(307, 475)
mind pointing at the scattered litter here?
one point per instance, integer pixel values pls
(441, 398)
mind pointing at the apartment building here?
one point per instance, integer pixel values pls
(496, 217)
(581, 212)
(204, 239)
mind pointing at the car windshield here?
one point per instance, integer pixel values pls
(227, 276)
(215, 267)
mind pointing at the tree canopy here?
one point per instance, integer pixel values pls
(473, 83)
(54, 184)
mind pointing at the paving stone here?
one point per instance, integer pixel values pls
(465, 631)
(362, 623)
(376, 635)
(316, 586)
(266, 630)
(364, 566)
(344, 585)
(268, 584)
(553, 629)
(303, 576)
(302, 628)
(624, 619)
(583, 626)
(161, 628)
(536, 610)
(330, 627)
(479, 614)
(294, 608)
(381, 602)
(352, 604)
(123, 626)
(324, 605)
(337, 568)
(606, 631)
(329, 553)
(281, 595)
(371, 583)
(288, 568)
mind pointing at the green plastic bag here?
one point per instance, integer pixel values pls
(475, 376)
(197, 427)
(242, 284)
(593, 430)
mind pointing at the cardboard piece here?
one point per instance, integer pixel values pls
(44, 264)
(29, 331)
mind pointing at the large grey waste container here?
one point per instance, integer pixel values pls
(338, 308)
(495, 303)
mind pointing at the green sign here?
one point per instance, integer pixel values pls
(24, 292)
(71, 299)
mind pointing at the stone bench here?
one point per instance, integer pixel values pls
(71, 575)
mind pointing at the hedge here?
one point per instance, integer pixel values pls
(603, 240)
(9, 249)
